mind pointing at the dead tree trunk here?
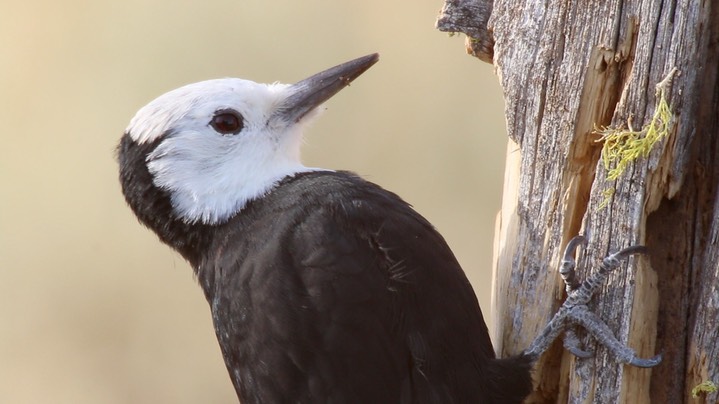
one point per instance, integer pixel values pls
(572, 72)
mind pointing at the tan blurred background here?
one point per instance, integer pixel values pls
(93, 309)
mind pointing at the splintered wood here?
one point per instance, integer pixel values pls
(567, 69)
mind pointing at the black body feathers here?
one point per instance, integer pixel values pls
(332, 289)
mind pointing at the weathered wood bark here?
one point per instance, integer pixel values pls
(567, 68)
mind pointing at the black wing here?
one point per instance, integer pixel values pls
(334, 290)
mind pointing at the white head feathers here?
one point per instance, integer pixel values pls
(210, 175)
(217, 144)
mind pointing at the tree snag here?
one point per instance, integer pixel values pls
(572, 72)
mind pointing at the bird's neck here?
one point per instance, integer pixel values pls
(153, 207)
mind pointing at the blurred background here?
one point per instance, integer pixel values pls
(93, 309)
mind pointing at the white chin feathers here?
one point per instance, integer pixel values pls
(211, 178)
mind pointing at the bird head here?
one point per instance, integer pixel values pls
(214, 145)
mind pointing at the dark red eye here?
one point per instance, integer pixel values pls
(227, 122)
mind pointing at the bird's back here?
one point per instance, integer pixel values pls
(331, 289)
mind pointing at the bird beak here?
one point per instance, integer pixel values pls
(311, 92)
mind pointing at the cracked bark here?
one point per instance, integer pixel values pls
(567, 68)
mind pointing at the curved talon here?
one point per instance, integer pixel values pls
(566, 268)
(611, 261)
(579, 353)
(646, 363)
(573, 244)
(635, 249)
(572, 344)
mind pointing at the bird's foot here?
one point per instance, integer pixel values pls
(574, 310)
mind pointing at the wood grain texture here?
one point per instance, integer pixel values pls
(567, 68)
(469, 18)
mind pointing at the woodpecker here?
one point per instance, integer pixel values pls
(323, 287)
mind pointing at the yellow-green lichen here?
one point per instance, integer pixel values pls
(607, 195)
(622, 146)
(705, 387)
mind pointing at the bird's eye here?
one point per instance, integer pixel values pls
(227, 122)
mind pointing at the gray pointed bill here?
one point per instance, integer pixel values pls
(311, 92)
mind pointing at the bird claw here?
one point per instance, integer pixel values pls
(574, 310)
(646, 363)
(572, 343)
(579, 353)
(568, 264)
